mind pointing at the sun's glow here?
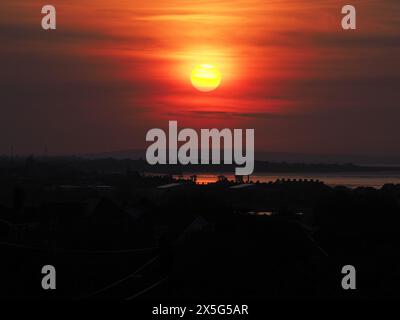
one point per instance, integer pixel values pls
(206, 77)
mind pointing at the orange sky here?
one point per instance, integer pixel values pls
(114, 69)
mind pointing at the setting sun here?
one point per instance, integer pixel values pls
(206, 77)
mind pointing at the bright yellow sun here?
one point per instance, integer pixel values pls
(206, 77)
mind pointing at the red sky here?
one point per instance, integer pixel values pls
(114, 69)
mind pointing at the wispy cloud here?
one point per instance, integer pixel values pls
(114, 69)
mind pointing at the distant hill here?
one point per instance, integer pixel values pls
(108, 163)
(289, 157)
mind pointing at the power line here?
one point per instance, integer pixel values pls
(21, 246)
(147, 289)
(121, 280)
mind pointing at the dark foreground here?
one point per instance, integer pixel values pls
(119, 235)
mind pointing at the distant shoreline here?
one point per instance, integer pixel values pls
(332, 179)
(140, 165)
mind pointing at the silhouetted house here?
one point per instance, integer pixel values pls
(198, 224)
(104, 210)
(222, 179)
(256, 257)
(66, 212)
(239, 179)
